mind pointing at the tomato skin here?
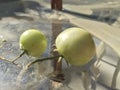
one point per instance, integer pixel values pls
(33, 41)
(76, 45)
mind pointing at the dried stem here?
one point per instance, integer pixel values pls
(57, 75)
(56, 29)
(4, 59)
(13, 61)
(59, 65)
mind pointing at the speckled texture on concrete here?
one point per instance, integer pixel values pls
(16, 17)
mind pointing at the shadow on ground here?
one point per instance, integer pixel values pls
(9, 8)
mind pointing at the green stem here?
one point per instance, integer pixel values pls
(43, 59)
(18, 56)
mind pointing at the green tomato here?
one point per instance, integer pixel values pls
(34, 42)
(76, 46)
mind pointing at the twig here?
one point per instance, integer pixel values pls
(43, 59)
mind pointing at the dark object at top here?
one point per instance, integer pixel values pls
(56, 4)
(5, 1)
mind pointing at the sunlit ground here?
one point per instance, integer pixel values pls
(16, 17)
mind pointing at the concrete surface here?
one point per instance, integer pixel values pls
(18, 19)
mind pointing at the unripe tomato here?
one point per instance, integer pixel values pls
(34, 42)
(76, 45)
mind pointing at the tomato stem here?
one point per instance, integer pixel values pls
(42, 59)
(20, 55)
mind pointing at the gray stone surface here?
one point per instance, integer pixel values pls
(17, 17)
